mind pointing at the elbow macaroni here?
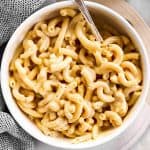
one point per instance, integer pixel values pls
(71, 85)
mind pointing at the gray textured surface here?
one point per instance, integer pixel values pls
(13, 12)
(12, 137)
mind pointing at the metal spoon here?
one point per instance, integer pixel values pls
(82, 7)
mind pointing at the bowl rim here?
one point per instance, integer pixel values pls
(94, 143)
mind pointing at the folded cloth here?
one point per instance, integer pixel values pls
(12, 13)
(12, 137)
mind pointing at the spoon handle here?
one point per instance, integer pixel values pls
(82, 7)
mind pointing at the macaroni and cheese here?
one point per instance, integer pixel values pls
(71, 85)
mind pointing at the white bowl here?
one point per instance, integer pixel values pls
(50, 11)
